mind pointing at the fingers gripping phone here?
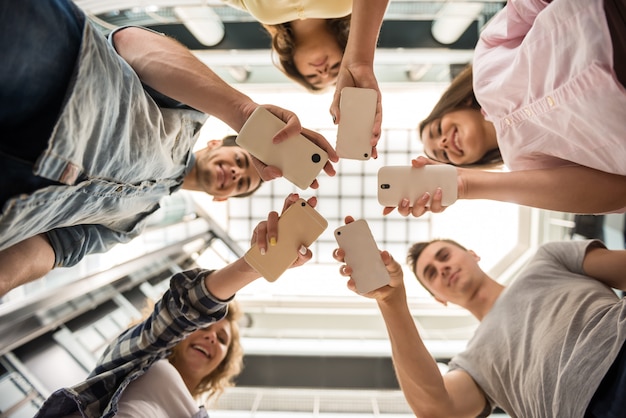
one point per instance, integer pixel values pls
(299, 225)
(356, 121)
(398, 182)
(362, 255)
(299, 159)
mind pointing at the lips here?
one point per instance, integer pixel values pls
(454, 141)
(201, 349)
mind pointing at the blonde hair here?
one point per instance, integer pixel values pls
(213, 385)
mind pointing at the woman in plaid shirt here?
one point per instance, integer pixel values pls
(157, 367)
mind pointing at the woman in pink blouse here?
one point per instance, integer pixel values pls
(548, 100)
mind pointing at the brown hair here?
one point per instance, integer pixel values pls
(416, 251)
(460, 95)
(229, 141)
(213, 385)
(284, 46)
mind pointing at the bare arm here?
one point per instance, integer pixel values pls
(427, 392)
(574, 189)
(170, 68)
(607, 266)
(357, 65)
(24, 262)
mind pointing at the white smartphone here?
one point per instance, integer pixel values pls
(362, 255)
(299, 225)
(398, 182)
(299, 159)
(358, 110)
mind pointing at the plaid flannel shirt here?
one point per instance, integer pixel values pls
(184, 308)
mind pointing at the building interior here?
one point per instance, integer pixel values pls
(312, 347)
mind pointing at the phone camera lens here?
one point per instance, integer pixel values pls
(384, 186)
(303, 204)
(338, 232)
(316, 158)
(366, 155)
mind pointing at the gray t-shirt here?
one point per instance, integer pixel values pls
(549, 339)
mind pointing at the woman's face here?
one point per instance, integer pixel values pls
(460, 137)
(198, 355)
(318, 58)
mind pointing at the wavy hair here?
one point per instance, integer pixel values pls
(284, 46)
(213, 385)
(460, 95)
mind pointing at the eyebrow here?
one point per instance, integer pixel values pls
(430, 266)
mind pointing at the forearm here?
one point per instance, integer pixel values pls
(24, 262)
(365, 24)
(225, 282)
(574, 189)
(170, 68)
(417, 372)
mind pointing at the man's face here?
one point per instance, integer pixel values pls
(225, 171)
(448, 271)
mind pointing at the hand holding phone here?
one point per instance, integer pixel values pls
(300, 224)
(398, 182)
(356, 121)
(299, 159)
(362, 255)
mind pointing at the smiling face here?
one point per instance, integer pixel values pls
(224, 171)
(448, 271)
(318, 58)
(199, 355)
(460, 137)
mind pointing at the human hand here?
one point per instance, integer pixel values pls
(291, 129)
(396, 282)
(358, 75)
(419, 206)
(267, 231)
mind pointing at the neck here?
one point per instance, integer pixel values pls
(190, 382)
(483, 300)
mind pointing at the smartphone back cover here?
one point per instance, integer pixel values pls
(299, 159)
(362, 255)
(398, 182)
(358, 110)
(299, 225)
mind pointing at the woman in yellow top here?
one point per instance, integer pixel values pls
(320, 43)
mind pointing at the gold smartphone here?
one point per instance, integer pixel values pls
(362, 255)
(299, 159)
(358, 110)
(398, 182)
(299, 225)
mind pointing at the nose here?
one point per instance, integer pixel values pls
(323, 70)
(443, 141)
(444, 271)
(235, 172)
(209, 335)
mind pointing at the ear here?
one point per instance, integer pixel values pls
(214, 143)
(219, 199)
(474, 255)
(443, 302)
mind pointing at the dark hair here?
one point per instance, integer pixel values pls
(416, 251)
(229, 141)
(460, 95)
(284, 46)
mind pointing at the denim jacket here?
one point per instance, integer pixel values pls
(115, 150)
